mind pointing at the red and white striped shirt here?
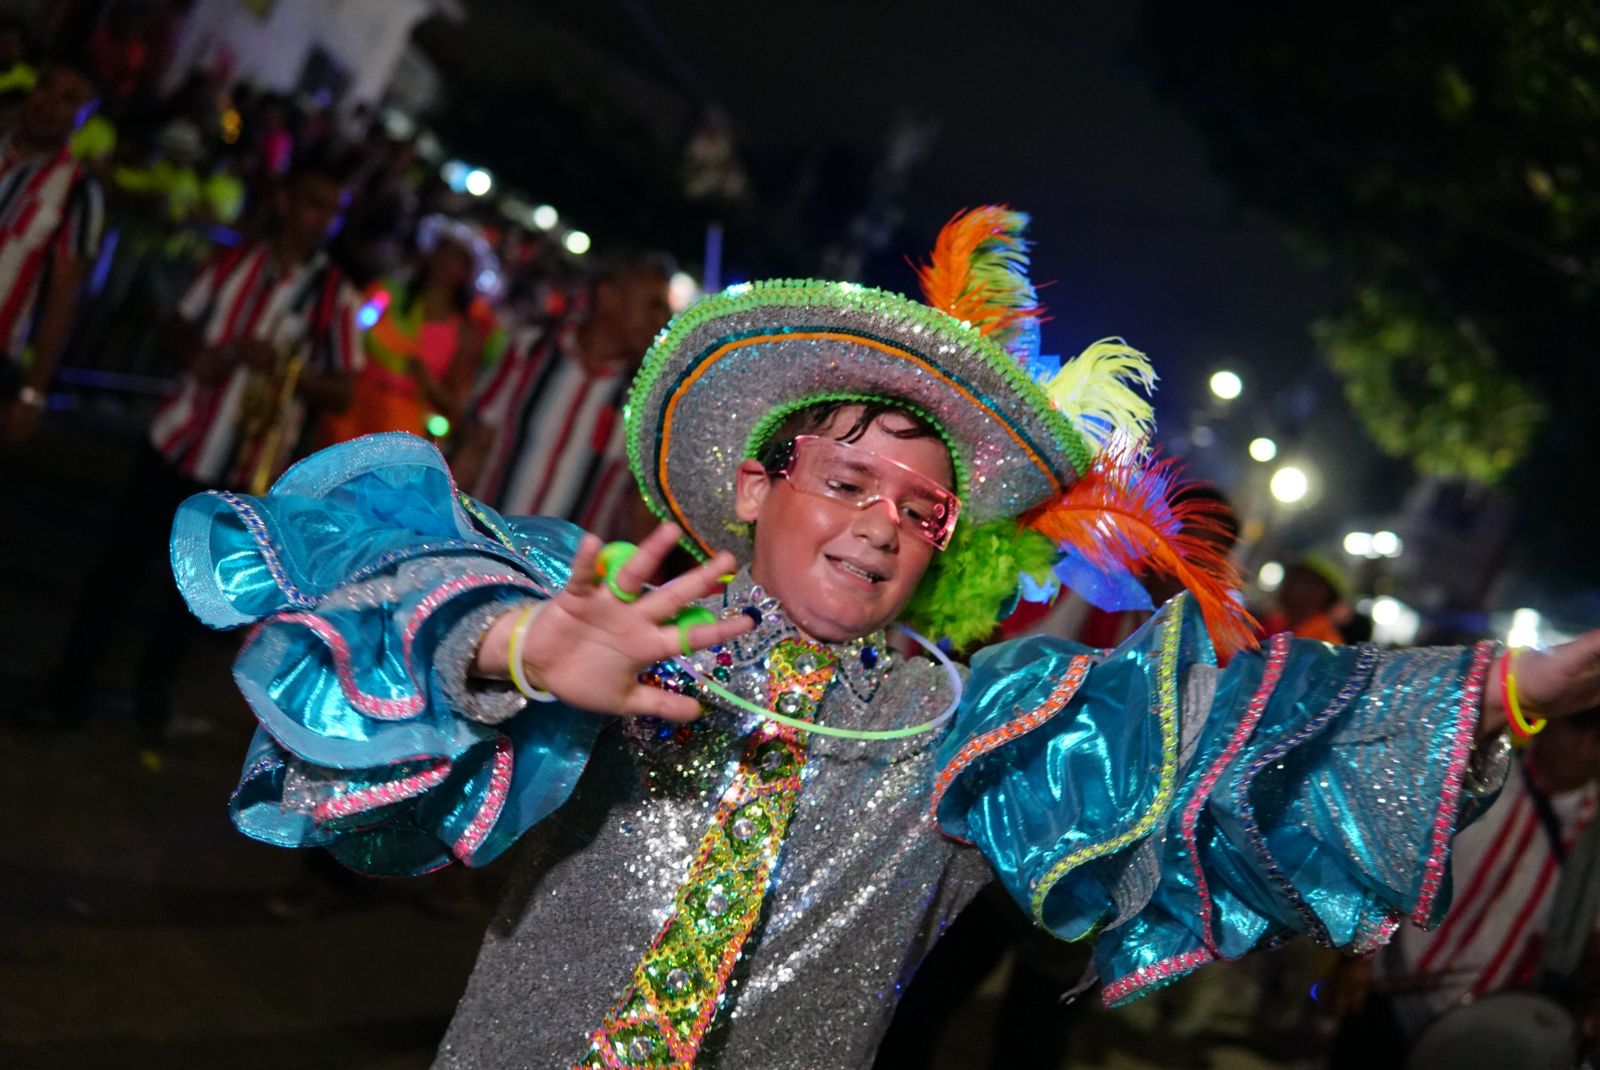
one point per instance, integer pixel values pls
(1505, 872)
(50, 210)
(245, 293)
(559, 447)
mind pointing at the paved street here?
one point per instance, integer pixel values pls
(133, 917)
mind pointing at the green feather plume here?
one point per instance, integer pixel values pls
(967, 585)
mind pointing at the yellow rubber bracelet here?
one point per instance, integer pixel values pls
(1520, 725)
(519, 637)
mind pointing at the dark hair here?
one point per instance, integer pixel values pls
(629, 263)
(73, 63)
(330, 167)
(1219, 518)
(774, 452)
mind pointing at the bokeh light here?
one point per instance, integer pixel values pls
(1290, 484)
(1226, 385)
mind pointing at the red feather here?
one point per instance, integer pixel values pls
(1127, 514)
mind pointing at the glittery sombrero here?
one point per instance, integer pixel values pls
(727, 371)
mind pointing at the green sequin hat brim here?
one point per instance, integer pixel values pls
(725, 373)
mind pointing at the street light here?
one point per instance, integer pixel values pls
(1270, 576)
(1358, 543)
(1226, 385)
(682, 290)
(1289, 484)
(1263, 449)
(576, 242)
(1524, 630)
(545, 217)
(1386, 544)
(478, 182)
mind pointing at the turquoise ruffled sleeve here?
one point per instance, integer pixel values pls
(368, 579)
(1182, 813)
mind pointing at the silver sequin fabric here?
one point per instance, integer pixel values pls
(864, 885)
(797, 341)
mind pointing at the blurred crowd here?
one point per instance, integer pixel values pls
(251, 277)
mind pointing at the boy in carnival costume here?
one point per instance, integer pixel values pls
(752, 886)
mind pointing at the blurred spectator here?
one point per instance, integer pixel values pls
(548, 438)
(17, 75)
(152, 252)
(117, 52)
(51, 214)
(274, 143)
(425, 339)
(19, 71)
(222, 191)
(1505, 868)
(265, 329)
(169, 185)
(385, 212)
(1312, 590)
(95, 141)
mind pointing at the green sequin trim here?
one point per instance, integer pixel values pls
(1167, 781)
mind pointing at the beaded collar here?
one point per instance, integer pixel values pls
(862, 663)
(740, 665)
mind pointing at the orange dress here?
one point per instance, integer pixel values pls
(387, 395)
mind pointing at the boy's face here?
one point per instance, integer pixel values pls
(810, 552)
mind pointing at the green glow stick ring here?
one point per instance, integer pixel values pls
(612, 557)
(687, 618)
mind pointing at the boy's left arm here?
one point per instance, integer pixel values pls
(1185, 813)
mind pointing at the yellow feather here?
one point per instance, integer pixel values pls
(1096, 392)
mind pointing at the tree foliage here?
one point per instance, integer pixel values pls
(1427, 391)
(1444, 158)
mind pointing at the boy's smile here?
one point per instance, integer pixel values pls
(840, 572)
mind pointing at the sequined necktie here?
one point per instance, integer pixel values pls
(663, 1014)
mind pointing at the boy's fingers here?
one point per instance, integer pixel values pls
(645, 701)
(665, 601)
(647, 558)
(699, 636)
(582, 581)
(704, 635)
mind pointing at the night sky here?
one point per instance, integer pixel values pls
(1048, 107)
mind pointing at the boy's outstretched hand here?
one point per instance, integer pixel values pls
(587, 646)
(1550, 683)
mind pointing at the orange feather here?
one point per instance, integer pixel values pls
(978, 270)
